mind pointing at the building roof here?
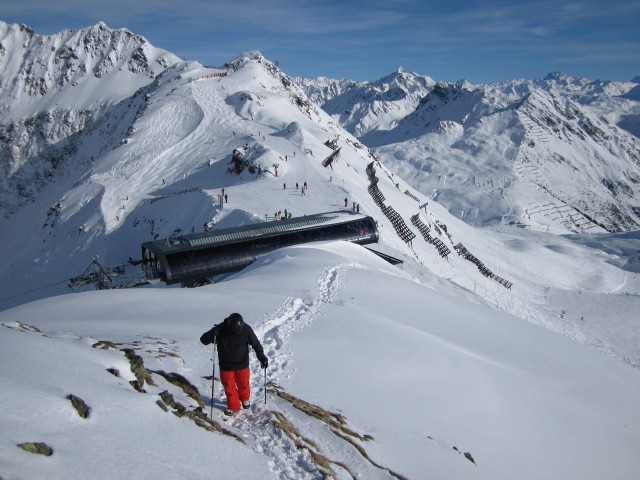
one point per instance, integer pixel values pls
(213, 237)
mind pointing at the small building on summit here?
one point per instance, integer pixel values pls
(193, 258)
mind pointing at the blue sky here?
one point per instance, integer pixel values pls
(483, 41)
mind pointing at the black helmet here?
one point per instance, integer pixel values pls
(235, 323)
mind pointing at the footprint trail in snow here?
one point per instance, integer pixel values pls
(256, 425)
(294, 315)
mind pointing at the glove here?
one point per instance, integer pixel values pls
(264, 363)
(211, 336)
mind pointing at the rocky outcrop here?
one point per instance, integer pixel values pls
(185, 385)
(138, 369)
(81, 407)
(40, 448)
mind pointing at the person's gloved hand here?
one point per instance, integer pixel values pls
(264, 363)
(211, 336)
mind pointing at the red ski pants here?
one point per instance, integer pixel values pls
(236, 387)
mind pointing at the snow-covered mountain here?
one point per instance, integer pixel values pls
(367, 107)
(44, 71)
(559, 154)
(66, 100)
(99, 164)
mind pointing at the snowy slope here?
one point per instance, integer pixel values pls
(424, 384)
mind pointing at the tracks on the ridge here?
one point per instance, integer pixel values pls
(257, 426)
(295, 314)
(302, 440)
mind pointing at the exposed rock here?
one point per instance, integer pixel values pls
(186, 386)
(22, 327)
(334, 420)
(239, 163)
(137, 367)
(337, 424)
(40, 448)
(201, 419)
(168, 399)
(322, 463)
(197, 416)
(114, 371)
(467, 455)
(105, 345)
(29, 328)
(137, 387)
(81, 407)
(161, 404)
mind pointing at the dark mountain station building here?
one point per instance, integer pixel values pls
(193, 258)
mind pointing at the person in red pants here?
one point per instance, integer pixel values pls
(233, 338)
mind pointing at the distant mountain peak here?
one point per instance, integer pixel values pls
(249, 56)
(53, 63)
(557, 75)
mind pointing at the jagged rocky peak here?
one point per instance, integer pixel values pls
(121, 47)
(57, 90)
(12, 28)
(447, 92)
(37, 64)
(569, 84)
(405, 80)
(255, 57)
(396, 86)
(245, 57)
(322, 89)
(558, 76)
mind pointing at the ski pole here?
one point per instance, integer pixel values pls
(265, 386)
(213, 377)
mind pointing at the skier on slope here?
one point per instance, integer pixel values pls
(233, 338)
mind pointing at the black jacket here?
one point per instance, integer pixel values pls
(233, 350)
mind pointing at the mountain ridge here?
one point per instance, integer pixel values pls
(153, 164)
(54, 100)
(589, 126)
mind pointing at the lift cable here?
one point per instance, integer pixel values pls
(34, 290)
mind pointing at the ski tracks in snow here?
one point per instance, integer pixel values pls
(256, 425)
(295, 314)
(299, 443)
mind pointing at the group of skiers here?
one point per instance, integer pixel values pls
(279, 216)
(303, 190)
(355, 207)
